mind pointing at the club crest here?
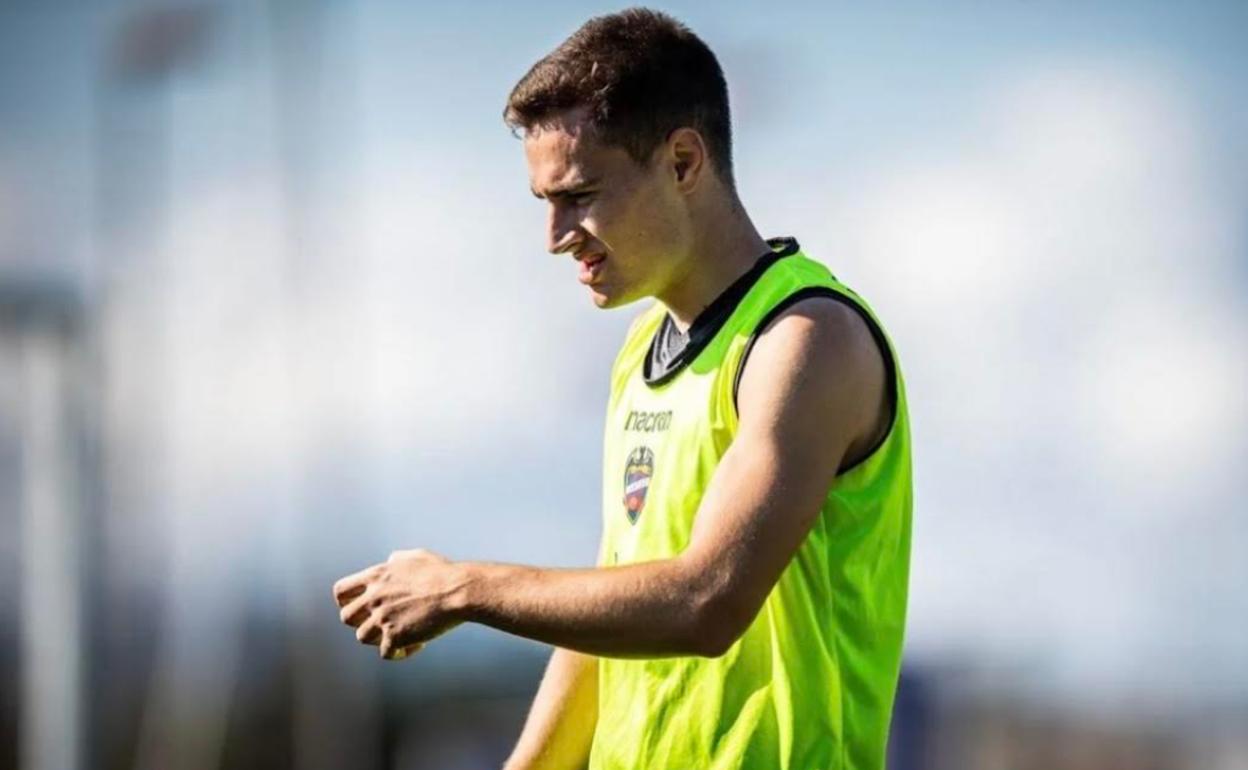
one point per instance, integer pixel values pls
(637, 472)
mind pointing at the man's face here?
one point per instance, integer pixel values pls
(624, 223)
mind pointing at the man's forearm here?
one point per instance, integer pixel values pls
(647, 610)
(560, 727)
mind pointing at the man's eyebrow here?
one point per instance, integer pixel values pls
(568, 189)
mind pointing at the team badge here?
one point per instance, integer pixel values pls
(637, 472)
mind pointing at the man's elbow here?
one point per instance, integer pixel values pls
(714, 643)
(718, 623)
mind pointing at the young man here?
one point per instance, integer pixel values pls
(749, 601)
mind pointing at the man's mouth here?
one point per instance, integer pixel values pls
(591, 267)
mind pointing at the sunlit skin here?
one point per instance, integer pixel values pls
(811, 400)
(668, 228)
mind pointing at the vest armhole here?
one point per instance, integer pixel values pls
(890, 366)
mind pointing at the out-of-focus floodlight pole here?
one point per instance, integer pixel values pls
(143, 53)
(40, 332)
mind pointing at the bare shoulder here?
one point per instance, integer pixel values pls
(818, 368)
(824, 321)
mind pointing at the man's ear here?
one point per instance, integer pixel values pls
(688, 157)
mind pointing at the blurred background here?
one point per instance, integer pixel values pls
(274, 302)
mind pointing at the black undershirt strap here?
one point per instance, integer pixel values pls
(671, 350)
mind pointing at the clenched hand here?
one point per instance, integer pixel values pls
(402, 603)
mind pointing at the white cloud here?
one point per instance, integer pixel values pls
(429, 329)
(1162, 399)
(1062, 298)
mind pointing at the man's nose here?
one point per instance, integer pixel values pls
(562, 231)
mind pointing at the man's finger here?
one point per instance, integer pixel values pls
(344, 595)
(390, 650)
(352, 586)
(369, 631)
(353, 613)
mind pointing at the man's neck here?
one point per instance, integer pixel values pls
(720, 256)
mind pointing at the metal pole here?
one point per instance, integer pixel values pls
(50, 582)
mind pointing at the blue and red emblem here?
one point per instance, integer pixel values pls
(637, 472)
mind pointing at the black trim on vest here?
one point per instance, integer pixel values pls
(890, 366)
(713, 316)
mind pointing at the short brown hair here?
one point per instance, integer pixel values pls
(641, 74)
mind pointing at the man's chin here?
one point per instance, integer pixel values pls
(606, 300)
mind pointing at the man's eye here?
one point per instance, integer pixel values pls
(580, 199)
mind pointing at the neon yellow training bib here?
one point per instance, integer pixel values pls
(810, 684)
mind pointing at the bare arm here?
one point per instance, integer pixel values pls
(561, 722)
(560, 727)
(810, 392)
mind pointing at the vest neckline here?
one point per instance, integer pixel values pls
(713, 316)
